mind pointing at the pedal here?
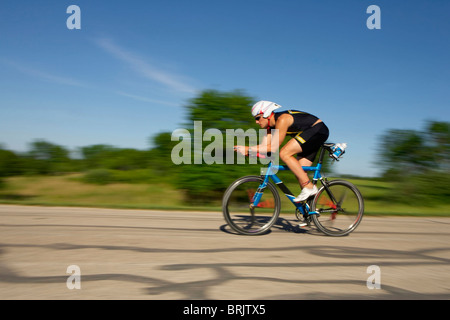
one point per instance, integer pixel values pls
(306, 222)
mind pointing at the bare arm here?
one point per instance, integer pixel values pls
(273, 141)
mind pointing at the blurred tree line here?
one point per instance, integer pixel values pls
(200, 182)
(418, 161)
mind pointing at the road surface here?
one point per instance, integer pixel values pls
(86, 253)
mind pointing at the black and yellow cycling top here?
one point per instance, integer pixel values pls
(301, 128)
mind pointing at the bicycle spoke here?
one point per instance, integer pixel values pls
(240, 210)
(343, 196)
(342, 217)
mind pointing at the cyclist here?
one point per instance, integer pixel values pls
(308, 134)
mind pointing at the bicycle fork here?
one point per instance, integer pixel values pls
(257, 196)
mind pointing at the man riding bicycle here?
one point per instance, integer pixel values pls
(308, 134)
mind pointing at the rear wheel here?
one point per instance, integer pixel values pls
(240, 211)
(339, 207)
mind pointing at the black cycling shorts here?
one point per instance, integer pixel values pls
(311, 140)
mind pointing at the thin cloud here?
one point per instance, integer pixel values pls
(172, 81)
(43, 75)
(145, 99)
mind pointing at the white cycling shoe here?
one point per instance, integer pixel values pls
(306, 193)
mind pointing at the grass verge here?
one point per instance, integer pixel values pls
(70, 190)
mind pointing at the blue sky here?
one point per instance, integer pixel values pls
(133, 65)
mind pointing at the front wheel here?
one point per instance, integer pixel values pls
(243, 214)
(338, 207)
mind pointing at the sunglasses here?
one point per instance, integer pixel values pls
(258, 117)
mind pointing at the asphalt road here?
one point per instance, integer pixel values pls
(140, 254)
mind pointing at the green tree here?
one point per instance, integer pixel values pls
(408, 152)
(10, 164)
(216, 110)
(221, 110)
(48, 158)
(109, 157)
(439, 144)
(418, 162)
(94, 155)
(126, 159)
(160, 154)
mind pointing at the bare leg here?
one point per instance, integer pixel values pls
(287, 155)
(306, 163)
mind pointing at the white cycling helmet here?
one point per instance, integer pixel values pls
(265, 108)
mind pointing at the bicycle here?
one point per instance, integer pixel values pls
(251, 204)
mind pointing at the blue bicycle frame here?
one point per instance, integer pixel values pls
(270, 173)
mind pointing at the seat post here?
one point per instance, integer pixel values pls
(325, 146)
(322, 152)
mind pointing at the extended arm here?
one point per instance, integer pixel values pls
(273, 139)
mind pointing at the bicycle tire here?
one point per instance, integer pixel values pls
(238, 213)
(329, 211)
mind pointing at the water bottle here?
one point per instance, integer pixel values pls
(338, 150)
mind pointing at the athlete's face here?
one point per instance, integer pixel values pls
(263, 123)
